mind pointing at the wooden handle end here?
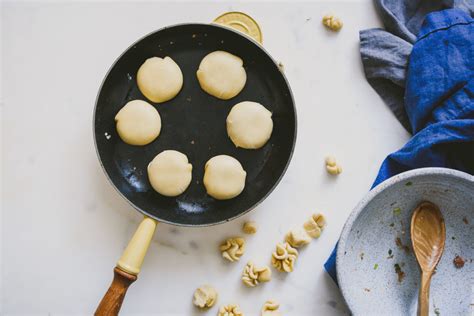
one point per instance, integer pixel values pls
(112, 300)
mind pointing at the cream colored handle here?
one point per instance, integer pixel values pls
(132, 258)
(127, 269)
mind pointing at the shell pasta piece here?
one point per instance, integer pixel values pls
(284, 257)
(230, 310)
(253, 275)
(270, 308)
(233, 248)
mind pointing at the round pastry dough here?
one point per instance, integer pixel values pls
(138, 123)
(170, 173)
(222, 75)
(159, 79)
(224, 177)
(249, 125)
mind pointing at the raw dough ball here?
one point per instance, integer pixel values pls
(222, 75)
(224, 177)
(297, 237)
(138, 123)
(170, 173)
(249, 228)
(249, 125)
(205, 296)
(159, 79)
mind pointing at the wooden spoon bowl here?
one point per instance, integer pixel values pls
(428, 235)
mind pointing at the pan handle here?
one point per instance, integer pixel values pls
(127, 269)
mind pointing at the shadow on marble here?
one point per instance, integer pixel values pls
(337, 303)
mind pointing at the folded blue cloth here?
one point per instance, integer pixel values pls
(438, 89)
(385, 53)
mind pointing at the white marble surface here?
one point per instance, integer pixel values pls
(64, 226)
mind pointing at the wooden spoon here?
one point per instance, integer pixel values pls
(428, 235)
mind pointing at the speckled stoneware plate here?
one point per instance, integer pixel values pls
(376, 268)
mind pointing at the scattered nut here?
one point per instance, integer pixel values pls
(332, 167)
(314, 225)
(297, 237)
(205, 296)
(335, 170)
(283, 259)
(230, 310)
(249, 228)
(233, 248)
(270, 308)
(281, 66)
(252, 274)
(331, 22)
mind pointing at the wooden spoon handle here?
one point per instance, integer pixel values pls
(424, 295)
(112, 300)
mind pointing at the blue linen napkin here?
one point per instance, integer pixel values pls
(437, 85)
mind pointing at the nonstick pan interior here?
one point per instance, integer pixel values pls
(194, 124)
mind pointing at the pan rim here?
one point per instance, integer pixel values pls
(264, 197)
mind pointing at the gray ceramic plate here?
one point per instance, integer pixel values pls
(375, 242)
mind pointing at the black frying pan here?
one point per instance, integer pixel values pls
(194, 123)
